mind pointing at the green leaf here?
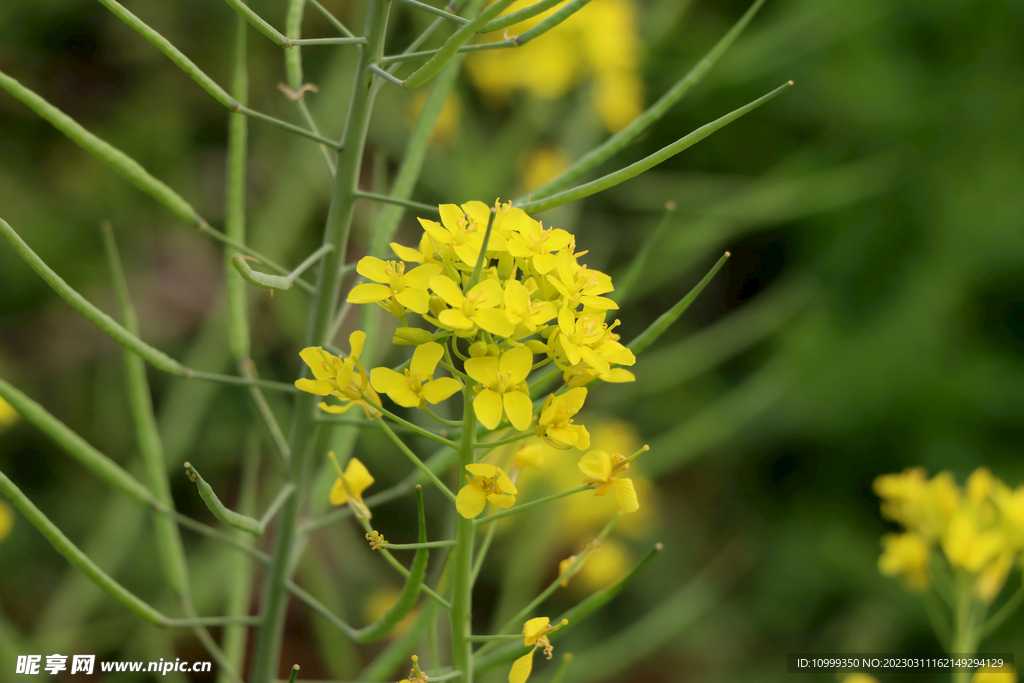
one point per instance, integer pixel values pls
(665, 320)
(633, 170)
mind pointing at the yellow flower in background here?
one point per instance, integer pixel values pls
(417, 385)
(543, 165)
(6, 520)
(344, 379)
(379, 601)
(857, 678)
(906, 556)
(602, 566)
(394, 289)
(994, 677)
(350, 484)
(503, 390)
(556, 426)
(488, 483)
(924, 505)
(447, 120)
(603, 472)
(535, 633)
(8, 415)
(599, 42)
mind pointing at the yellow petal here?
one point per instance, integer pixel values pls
(504, 483)
(489, 293)
(518, 361)
(502, 500)
(407, 253)
(374, 269)
(582, 437)
(596, 465)
(566, 321)
(471, 501)
(367, 293)
(519, 409)
(339, 495)
(416, 300)
(521, 669)
(315, 357)
(483, 369)
(451, 214)
(357, 478)
(314, 386)
(494, 321)
(478, 212)
(447, 290)
(469, 252)
(488, 408)
(594, 359)
(335, 409)
(517, 297)
(625, 493)
(386, 379)
(533, 628)
(440, 389)
(573, 399)
(482, 470)
(598, 303)
(425, 358)
(355, 343)
(455, 319)
(419, 277)
(543, 263)
(436, 231)
(571, 351)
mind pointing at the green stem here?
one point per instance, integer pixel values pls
(434, 10)
(342, 29)
(259, 23)
(513, 18)
(966, 635)
(461, 625)
(526, 506)
(416, 460)
(415, 546)
(504, 442)
(410, 426)
(234, 215)
(140, 404)
(1004, 613)
(336, 231)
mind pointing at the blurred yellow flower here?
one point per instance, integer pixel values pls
(600, 41)
(417, 386)
(543, 165)
(6, 520)
(451, 111)
(994, 677)
(350, 484)
(379, 601)
(857, 678)
(905, 555)
(488, 483)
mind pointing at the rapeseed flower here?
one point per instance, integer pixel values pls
(556, 426)
(344, 379)
(477, 308)
(6, 520)
(417, 385)
(603, 472)
(488, 483)
(394, 289)
(459, 236)
(350, 484)
(535, 633)
(503, 390)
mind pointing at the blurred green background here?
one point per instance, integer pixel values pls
(871, 317)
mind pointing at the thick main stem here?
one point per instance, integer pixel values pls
(462, 602)
(965, 637)
(339, 221)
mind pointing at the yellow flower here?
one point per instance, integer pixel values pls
(415, 675)
(532, 243)
(921, 505)
(503, 389)
(6, 520)
(345, 379)
(993, 577)
(488, 483)
(396, 290)
(461, 231)
(601, 41)
(350, 484)
(993, 677)
(535, 633)
(543, 165)
(555, 425)
(858, 678)
(8, 415)
(476, 308)
(603, 473)
(523, 312)
(906, 555)
(417, 386)
(580, 285)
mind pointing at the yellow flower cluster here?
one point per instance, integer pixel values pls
(979, 529)
(508, 289)
(599, 41)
